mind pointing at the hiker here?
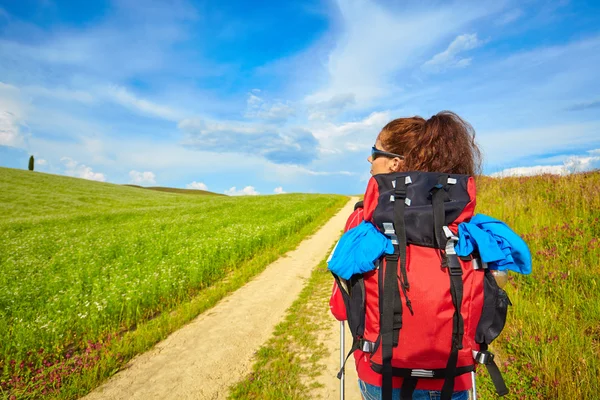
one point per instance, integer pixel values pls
(442, 144)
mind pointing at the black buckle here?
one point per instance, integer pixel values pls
(454, 270)
(453, 264)
(400, 193)
(484, 357)
(392, 257)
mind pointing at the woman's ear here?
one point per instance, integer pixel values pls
(396, 164)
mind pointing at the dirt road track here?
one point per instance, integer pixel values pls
(201, 360)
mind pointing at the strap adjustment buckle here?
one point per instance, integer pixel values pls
(366, 346)
(483, 357)
(400, 193)
(392, 257)
(454, 270)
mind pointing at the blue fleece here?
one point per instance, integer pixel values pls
(498, 245)
(358, 249)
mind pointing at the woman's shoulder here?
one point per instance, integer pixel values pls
(356, 217)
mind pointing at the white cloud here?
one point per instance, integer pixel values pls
(9, 130)
(253, 100)
(247, 191)
(41, 161)
(572, 164)
(449, 58)
(530, 171)
(353, 135)
(277, 112)
(142, 178)
(323, 110)
(12, 116)
(261, 109)
(74, 168)
(292, 170)
(279, 190)
(196, 185)
(580, 164)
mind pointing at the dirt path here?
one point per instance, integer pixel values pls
(331, 385)
(201, 360)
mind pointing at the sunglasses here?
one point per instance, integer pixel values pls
(375, 152)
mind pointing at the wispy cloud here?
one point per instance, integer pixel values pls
(279, 190)
(452, 56)
(376, 43)
(585, 106)
(263, 110)
(510, 16)
(279, 145)
(127, 99)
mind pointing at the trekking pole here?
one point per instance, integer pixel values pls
(474, 388)
(342, 360)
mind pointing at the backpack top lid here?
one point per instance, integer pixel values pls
(459, 202)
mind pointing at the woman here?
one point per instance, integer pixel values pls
(446, 144)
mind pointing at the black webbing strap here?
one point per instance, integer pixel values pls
(408, 388)
(399, 204)
(494, 371)
(456, 290)
(391, 317)
(439, 213)
(450, 261)
(355, 346)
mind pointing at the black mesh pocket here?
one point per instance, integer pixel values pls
(495, 307)
(353, 293)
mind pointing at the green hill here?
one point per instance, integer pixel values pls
(25, 194)
(177, 190)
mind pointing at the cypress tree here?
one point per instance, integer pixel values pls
(31, 163)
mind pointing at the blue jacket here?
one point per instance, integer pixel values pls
(498, 245)
(358, 249)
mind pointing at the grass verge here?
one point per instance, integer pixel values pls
(286, 364)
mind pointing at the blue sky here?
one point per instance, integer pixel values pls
(263, 97)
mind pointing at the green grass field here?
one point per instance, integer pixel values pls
(85, 264)
(550, 347)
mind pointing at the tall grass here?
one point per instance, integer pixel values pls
(84, 262)
(550, 348)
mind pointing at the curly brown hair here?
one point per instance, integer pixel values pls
(444, 143)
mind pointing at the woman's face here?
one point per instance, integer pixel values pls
(382, 164)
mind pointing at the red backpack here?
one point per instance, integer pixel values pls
(429, 314)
